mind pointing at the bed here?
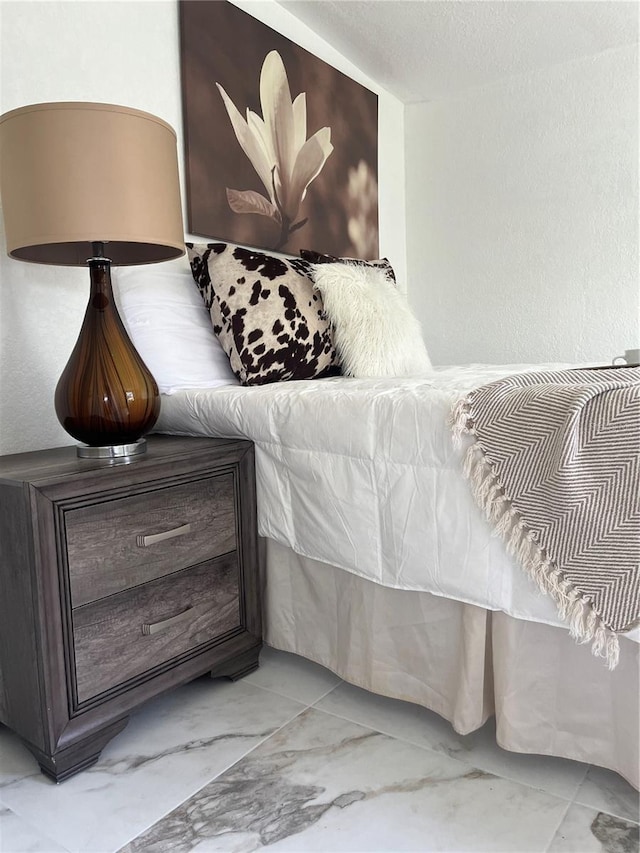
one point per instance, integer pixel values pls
(378, 563)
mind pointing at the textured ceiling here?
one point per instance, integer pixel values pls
(422, 50)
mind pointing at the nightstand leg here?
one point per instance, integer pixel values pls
(71, 760)
(239, 666)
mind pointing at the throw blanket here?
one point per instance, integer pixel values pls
(555, 465)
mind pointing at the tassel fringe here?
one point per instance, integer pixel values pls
(585, 625)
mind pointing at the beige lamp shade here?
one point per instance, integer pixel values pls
(77, 173)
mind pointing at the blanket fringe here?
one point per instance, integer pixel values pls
(585, 625)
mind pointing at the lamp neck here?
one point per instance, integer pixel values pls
(101, 296)
(97, 249)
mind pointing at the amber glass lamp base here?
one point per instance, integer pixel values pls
(106, 396)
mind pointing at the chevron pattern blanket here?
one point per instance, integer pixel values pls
(555, 464)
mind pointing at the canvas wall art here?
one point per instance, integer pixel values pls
(281, 149)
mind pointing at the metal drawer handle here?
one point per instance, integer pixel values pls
(144, 541)
(155, 627)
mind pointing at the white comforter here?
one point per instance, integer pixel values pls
(363, 474)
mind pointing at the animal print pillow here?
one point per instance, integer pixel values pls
(320, 258)
(265, 312)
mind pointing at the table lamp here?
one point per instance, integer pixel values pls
(94, 184)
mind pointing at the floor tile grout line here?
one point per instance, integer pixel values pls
(604, 810)
(581, 782)
(294, 698)
(447, 755)
(33, 774)
(557, 829)
(324, 695)
(302, 657)
(303, 708)
(44, 835)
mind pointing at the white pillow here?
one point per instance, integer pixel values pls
(374, 330)
(165, 317)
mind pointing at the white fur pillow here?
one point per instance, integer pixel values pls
(375, 332)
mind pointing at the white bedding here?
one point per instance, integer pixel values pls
(362, 474)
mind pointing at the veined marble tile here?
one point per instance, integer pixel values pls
(606, 791)
(322, 783)
(425, 728)
(585, 830)
(17, 836)
(292, 676)
(172, 747)
(16, 762)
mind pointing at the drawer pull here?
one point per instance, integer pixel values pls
(149, 628)
(144, 541)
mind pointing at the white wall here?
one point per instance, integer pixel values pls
(125, 53)
(522, 216)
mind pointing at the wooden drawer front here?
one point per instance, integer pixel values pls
(106, 554)
(181, 611)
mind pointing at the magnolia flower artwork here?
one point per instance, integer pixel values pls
(362, 206)
(278, 148)
(281, 148)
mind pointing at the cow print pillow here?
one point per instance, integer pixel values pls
(265, 312)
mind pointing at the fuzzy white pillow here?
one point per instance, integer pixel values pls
(374, 330)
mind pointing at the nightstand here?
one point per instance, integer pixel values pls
(118, 581)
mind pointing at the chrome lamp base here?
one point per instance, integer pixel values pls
(113, 451)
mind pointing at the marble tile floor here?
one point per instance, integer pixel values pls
(292, 759)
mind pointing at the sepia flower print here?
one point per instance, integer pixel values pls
(277, 146)
(362, 208)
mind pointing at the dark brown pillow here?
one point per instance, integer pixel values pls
(266, 314)
(319, 258)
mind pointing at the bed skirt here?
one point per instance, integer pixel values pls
(549, 695)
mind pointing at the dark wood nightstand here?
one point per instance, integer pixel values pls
(119, 581)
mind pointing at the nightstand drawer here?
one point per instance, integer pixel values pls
(128, 634)
(117, 544)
